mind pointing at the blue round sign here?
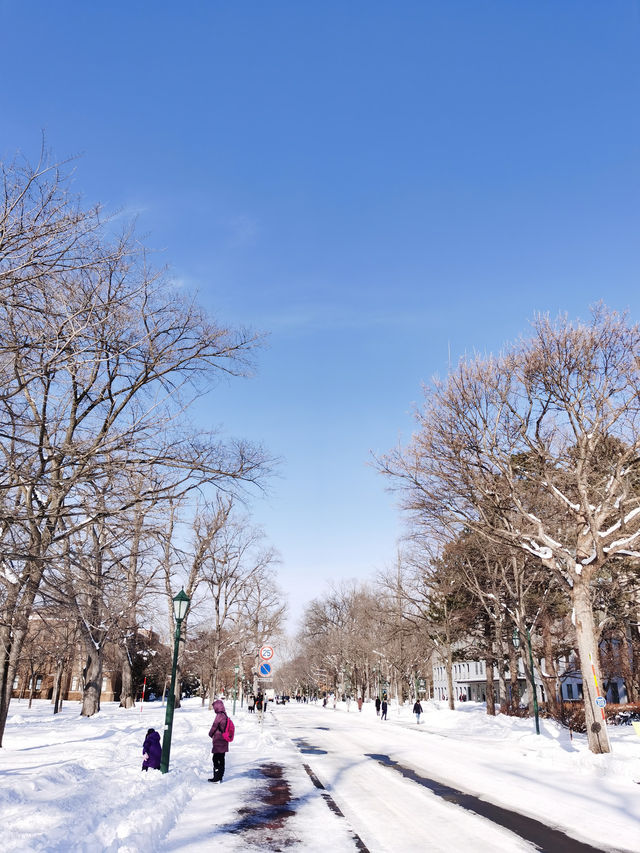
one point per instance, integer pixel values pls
(601, 701)
(265, 669)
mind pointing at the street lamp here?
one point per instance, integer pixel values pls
(180, 607)
(236, 670)
(516, 645)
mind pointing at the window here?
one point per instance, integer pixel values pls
(74, 682)
(104, 683)
(16, 682)
(569, 691)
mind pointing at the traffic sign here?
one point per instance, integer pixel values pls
(265, 669)
(601, 701)
(266, 652)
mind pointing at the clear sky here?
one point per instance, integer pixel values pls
(380, 186)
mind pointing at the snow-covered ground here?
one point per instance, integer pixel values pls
(69, 783)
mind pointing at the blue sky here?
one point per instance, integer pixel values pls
(378, 186)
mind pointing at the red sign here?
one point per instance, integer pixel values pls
(266, 652)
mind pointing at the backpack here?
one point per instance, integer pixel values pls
(229, 730)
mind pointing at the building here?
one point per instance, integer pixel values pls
(469, 683)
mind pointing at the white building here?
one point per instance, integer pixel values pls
(470, 683)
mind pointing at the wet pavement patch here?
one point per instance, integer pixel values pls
(307, 748)
(265, 825)
(545, 838)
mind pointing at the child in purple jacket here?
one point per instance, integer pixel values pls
(151, 751)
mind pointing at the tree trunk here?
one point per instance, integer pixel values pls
(550, 674)
(127, 698)
(11, 643)
(57, 685)
(625, 665)
(489, 662)
(597, 735)
(177, 692)
(92, 682)
(126, 695)
(513, 677)
(634, 631)
(530, 677)
(213, 683)
(450, 678)
(215, 656)
(502, 685)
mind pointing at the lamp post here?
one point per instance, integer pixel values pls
(516, 645)
(180, 607)
(236, 670)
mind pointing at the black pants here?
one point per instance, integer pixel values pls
(218, 766)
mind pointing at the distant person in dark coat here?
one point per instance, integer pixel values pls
(383, 708)
(377, 706)
(219, 745)
(417, 710)
(251, 704)
(151, 750)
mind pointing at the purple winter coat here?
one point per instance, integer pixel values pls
(153, 749)
(219, 725)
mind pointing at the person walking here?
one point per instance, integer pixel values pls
(359, 703)
(219, 746)
(251, 704)
(417, 710)
(383, 709)
(377, 706)
(151, 750)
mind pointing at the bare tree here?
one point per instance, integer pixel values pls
(539, 448)
(190, 564)
(236, 563)
(99, 359)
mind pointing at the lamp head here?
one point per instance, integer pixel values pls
(180, 605)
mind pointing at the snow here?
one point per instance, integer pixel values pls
(71, 783)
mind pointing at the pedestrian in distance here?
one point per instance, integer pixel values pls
(383, 710)
(151, 750)
(251, 704)
(219, 746)
(359, 703)
(417, 710)
(377, 706)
